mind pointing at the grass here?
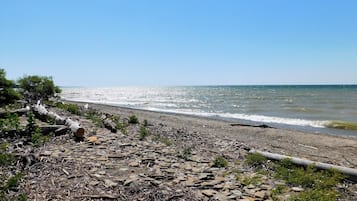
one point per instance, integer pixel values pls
(185, 153)
(143, 133)
(248, 180)
(145, 123)
(220, 162)
(318, 184)
(10, 122)
(119, 125)
(133, 119)
(94, 117)
(38, 139)
(72, 108)
(163, 139)
(255, 160)
(8, 184)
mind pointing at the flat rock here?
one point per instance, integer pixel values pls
(110, 183)
(297, 189)
(259, 194)
(208, 193)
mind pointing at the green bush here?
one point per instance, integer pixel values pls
(10, 122)
(37, 138)
(133, 119)
(220, 162)
(143, 133)
(7, 94)
(35, 87)
(255, 160)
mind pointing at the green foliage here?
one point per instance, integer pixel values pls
(22, 197)
(143, 133)
(133, 119)
(37, 138)
(7, 93)
(6, 159)
(31, 124)
(185, 153)
(254, 180)
(255, 160)
(93, 115)
(163, 139)
(220, 162)
(118, 124)
(12, 182)
(316, 194)
(35, 87)
(145, 123)
(72, 108)
(10, 122)
(319, 184)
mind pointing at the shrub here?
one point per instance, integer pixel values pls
(185, 153)
(145, 123)
(7, 93)
(255, 160)
(38, 87)
(220, 162)
(133, 119)
(10, 122)
(143, 133)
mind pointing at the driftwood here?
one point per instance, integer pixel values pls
(74, 126)
(108, 123)
(17, 111)
(56, 129)
(350, 172)
(252, 125)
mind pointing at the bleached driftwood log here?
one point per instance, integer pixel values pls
(43, 113)
(108, 123)
(350, 172)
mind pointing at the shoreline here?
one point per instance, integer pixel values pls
(338, 150)
(299, 128)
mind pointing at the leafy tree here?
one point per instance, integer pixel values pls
(7, 94)
(36, 87)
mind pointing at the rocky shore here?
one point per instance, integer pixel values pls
(175, 161)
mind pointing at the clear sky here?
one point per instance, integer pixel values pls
(182, 42)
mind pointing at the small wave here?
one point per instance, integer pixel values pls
(344, 125)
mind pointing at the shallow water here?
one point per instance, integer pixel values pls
(308, 108)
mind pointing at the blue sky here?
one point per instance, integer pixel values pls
(192, 42)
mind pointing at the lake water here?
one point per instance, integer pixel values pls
(308, 108)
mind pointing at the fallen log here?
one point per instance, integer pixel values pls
(44, 114)
(110, 125)
(56, 129)
(350, 172)
(252, 125)
(19, 112)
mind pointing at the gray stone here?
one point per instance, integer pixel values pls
(110, 183)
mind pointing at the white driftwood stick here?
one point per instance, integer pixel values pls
(351, 172)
